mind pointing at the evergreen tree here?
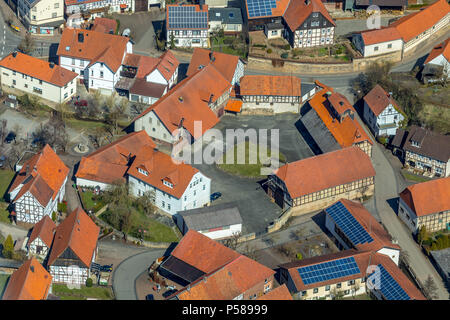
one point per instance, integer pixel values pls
(8, 248)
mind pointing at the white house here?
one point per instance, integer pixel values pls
(99, 7)
(439, 60)
(41, 17)
(381, 112)
(74, 249)
(37, 77)
(187, 25)
(378, 41)
(215, 222)
(38, 186)
(227, 19)
(353, 227)
(95, 56)
(173, 187)
(41, 238)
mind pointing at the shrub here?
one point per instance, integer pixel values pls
(287, 47)
(383, 140)
(269, 51)
(89, 282)
(54, 216)
(299, 256)
(228, 40)
(8, 248)
(62, 207)
(284, 55)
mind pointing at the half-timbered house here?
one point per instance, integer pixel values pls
(74, 249)
(187, 25)
(38, 186)
(41, 238)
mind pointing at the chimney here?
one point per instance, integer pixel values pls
(210, 98)
(14, 54)
(80, 37)
(307, 2)
(52, 65)
(32, 268)
(211, 56)
(27, 170)
(181, 123)
(180, 98)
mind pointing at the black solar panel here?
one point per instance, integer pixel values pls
(182, 17)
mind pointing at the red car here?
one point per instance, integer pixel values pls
(81, 103)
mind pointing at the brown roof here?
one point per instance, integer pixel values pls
(44, 229)
(104, 25)
(416, 23)
(442, 48)
(147, 89)
(202, 252)
(431, 143)
(77, 232)
(225, 63)
(381, 238)
(279, 293)
(346, 132)
(298, 11)
(96, 47)
(428, 197)
(262, 85)
(189, 101)
(228, 282)
(384, 34)
(46, 174)
(160, 168)
(325, 171)
(378, 100)
(110, 163)
(38, 69)
(30, 282)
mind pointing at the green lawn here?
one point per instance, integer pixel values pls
(412, 177)
(6, 177)
(101, 293)
(84, 124)
(89, 203)
(247, 169)
(3, 281)
(221, 44)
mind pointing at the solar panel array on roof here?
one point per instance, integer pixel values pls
(181, 17)
(260, 8)
(328, 270)
(348, 224)
(390, 289)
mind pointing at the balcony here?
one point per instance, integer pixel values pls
(128, 73)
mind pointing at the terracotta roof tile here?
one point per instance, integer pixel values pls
(225, 63)
(442, 48)
(378, 99)
(346, 132)
(251, 85)
(325, 171)
(77, 232)
(202, 252)
(110, 163)
(416, 23)
(383, 34)
(38, 69)
(96, 47)
(279, 293)
(168, 64)
(298, 11)
(234, 105)
(30, 282)
(44, 229)
(104, 25)
(428, 197)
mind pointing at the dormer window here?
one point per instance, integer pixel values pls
(167, 183)
(140, 170)
(415, 144)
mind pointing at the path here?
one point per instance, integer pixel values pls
(15, 232)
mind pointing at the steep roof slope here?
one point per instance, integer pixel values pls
(299, 10)
(225, 63)
(378, 99)
(442, 48)
(44, 229)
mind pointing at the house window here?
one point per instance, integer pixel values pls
(389, 45)
(25, 85)
(168, 206)
(66, 95)
(327, 288)
(346, 292)
(338, 285)
(204, 187)
(304, 293)
(34, 17)
(14, 73)
(314, 23)
(81, 63)
(316, 290)
(73, 61)
(351, 282)
(56, 5)
(163, 204)
(315, 14)
(185, 198)
(54, 15)
(92, 72)
(196, 41)
(37, 90)
(375, 49)
(274, 32)
(40, 81)
(14, 82)
(101, 74)
(73, 70)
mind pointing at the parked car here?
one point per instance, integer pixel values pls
(81, 103)
(215, 196)
(149, 297)
(10, 137)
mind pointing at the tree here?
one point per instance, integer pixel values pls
(54, 216)
(404, 257)
(146, 202)
(27, 45)
(430, 288)
(3, 130)
(337, 294)
(422, 235)
(233, 241)
(89, 282)
(119, 205)
(250, 252)
(172, 41)
(53, 133)
(8, 248)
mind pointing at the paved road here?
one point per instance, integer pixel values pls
(15, 232)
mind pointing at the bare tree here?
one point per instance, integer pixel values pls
(430, 288)
(27, 45)
(3, 130)
(233, 241)
(250, 252)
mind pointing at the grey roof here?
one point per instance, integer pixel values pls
(306, 87)
(225, 15)
(432, 144)
(316, 133)
(442, 259)
(400, 138)
(225, 214)
(274, 26)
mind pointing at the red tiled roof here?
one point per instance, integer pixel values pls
(442, 48)
(38, 69)
(202, 252)
(45, 177)
(225, 63)
(278, 11)
(416, 23)
(325, 171)
(168, 64)
(279, 293)
(104, 25)
(77, 232)
(234, 105)
(96, 47)
(383, 34)
(428, 197)
(44, 229)
(255, 85)
(298, 11)
(228, 282)
(381, 237)
(346, 132)
(30, 282)
(110, 163)
(188, 100)
(378, 99)
(160, 167)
